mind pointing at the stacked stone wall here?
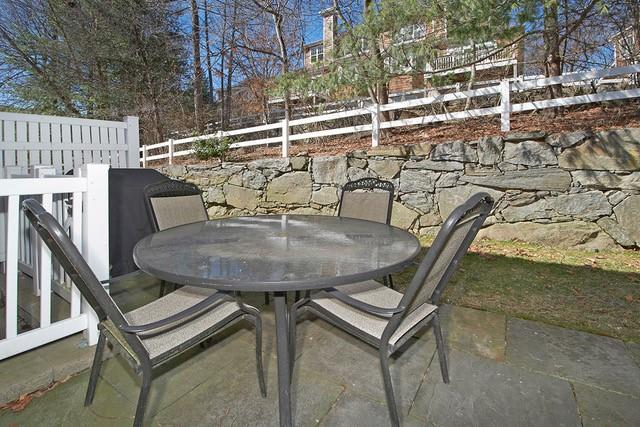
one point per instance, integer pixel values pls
(577, 189)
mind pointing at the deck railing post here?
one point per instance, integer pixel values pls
(505, 105)
(285, 137)
(133, 141)
(375, 125)
(95, 233)
(170, 151)
(144, 156)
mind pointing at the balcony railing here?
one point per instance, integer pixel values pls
(464, 59)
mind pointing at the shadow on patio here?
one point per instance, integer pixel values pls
(504, 371)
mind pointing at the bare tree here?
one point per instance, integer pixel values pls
(198, 81)
(281, 12)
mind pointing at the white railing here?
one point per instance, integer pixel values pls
(89, 230)
(67, 142)
(27, 256)
(461, 59)
(501, 91)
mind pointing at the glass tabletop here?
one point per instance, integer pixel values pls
(276, 252)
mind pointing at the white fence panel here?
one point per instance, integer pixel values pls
(89, 231)
(503, 90)
(67, 143)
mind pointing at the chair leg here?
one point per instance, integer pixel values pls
(388, 388)
(95, 370)
(143, 397)
(263, 386)
(388, 281)
(442, 355)
(266, 298)
(163, 288)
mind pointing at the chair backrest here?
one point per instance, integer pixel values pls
(373, 204)
(63, 249)
(172, 203)
(443, 257)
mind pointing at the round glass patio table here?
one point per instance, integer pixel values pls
(276, 253)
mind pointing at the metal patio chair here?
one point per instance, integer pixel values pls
(171, 203)
(371, 205)
(154, 333)
(368, 204)
(386, 319)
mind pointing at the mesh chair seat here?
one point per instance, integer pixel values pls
(178, 210)
(370, 206)
(371, 292)
(164, 341)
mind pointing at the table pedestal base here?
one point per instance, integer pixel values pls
(284, 358)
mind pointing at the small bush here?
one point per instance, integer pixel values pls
(214, 148)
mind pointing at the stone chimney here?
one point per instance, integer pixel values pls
(329, 28)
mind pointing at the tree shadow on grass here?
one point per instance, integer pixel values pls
(587, 298)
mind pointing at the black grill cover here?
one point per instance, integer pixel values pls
(128, 218)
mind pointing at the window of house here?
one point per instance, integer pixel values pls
(412, 32)
(317, 54)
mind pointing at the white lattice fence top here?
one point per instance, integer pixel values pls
(65, 142)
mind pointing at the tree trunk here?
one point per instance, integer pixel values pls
(472, 77)
(551, 36)
(197, 67)
(381, 89)
(284, 56)
(206, 41)
(230, 66)
(223, 47)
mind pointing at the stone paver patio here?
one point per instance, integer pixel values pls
(504, 371)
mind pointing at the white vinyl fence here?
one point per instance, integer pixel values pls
(89, 230)
(67, 142)
(27, 256)
(505, 108)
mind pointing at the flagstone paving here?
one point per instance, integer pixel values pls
(576, 356)
(504, 371)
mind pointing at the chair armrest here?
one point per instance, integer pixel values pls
(180, 316)
(116, 279)
(360, 305)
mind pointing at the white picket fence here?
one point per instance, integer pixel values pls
(67, 142)
(503, 90)
(90, 233)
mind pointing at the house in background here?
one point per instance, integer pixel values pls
(626, 47)
(450, 60)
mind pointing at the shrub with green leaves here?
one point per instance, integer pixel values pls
(213, 148)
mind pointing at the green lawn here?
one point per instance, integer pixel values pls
(597, 292)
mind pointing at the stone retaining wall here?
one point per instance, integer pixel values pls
(573, 190)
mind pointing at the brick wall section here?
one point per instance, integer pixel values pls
(406, 83)
(573, 190)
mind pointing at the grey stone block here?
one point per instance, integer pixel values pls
(627, 216)
(551, 179)
(459, 151)
(530, 153)
(329, 170)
